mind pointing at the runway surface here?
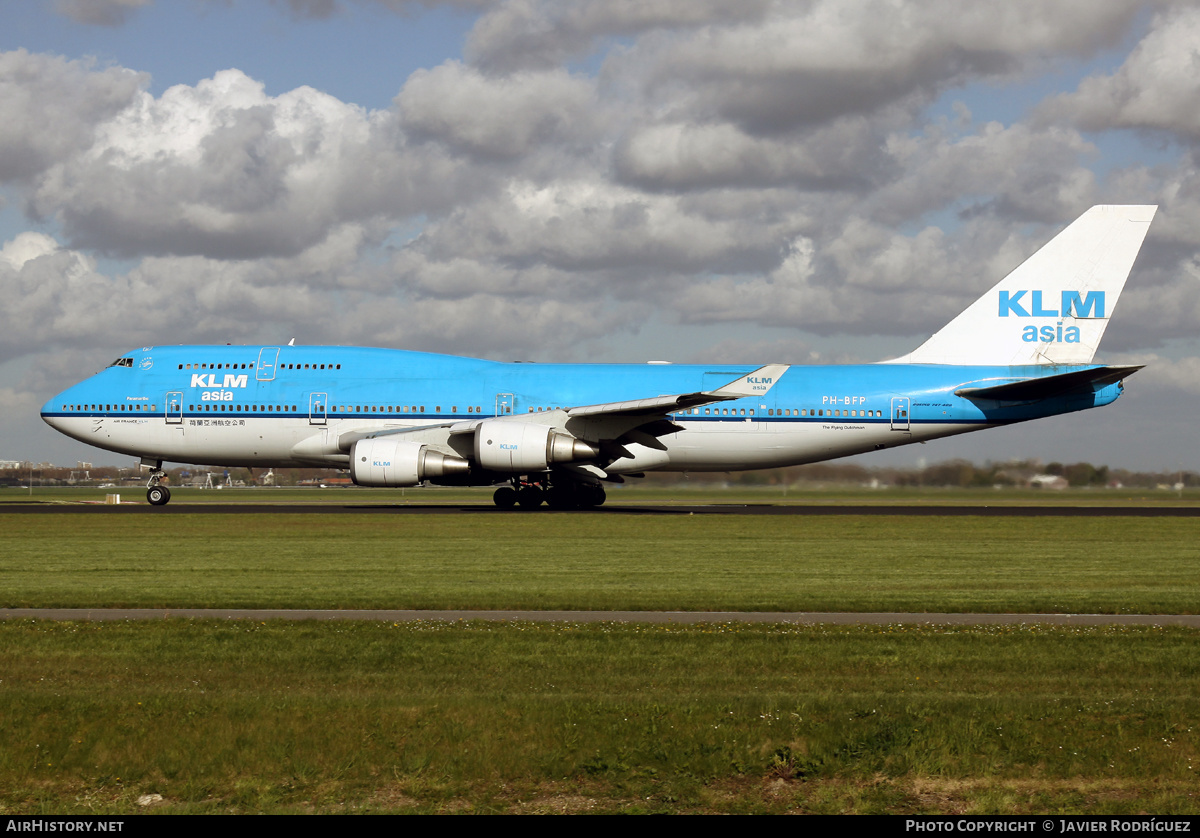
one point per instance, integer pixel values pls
(652, 617)
(641, 509)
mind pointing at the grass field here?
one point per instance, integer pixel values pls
(603, 562)
(475, 717)
(370, 717)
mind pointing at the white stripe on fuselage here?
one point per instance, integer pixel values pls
(700, 446)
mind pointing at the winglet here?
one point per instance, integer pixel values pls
(756, 383)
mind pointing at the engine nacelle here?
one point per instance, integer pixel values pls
(392, 463)
(523, 446)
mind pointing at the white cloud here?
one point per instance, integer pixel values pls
(1024, 173)
(26, 247)
(1164, 375)
(845, 153)
(806, 64)
(50, 107)
(592, 225)
(1157, 87)
(496, 117)
(223, 170)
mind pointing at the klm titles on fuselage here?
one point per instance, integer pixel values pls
(1072, 304)
(217, 394)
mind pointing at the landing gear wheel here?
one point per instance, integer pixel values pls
(562, 497)
(530, 497)
(505, 497)
(156, 493)
(592, 495)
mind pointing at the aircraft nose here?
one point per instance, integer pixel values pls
(52, 412)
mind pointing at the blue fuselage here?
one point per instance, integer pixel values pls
(254, 405)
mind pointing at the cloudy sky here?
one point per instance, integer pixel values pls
(590, 180)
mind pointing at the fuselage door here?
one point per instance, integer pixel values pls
(900, 418)
(504, 404)
(317, 407)
(267, 356)
(174, 409)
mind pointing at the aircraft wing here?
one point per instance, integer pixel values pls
(613, 424)
(755, 383)
(752, 384)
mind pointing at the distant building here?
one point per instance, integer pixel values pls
(1048, 481)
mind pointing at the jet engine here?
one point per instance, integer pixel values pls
(523, 446)
(390, 462)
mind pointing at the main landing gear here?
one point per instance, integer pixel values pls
(157, 495)
(567, 494)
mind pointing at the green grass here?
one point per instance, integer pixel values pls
(604, 562)
(245, 717)
(478, 717)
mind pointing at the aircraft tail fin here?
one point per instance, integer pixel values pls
(1054, 307)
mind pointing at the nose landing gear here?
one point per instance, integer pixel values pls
(157, 495)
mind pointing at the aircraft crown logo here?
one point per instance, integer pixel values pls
(199, 379)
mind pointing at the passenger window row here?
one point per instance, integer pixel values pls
(788, 411)
(237, 366)
(234, 408)
(109, 408)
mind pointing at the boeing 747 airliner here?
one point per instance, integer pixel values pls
(555, 433)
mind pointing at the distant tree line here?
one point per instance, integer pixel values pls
(951, 473)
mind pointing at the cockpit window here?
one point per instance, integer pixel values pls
(122, 362)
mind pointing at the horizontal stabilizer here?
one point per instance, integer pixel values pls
(1032, 389)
